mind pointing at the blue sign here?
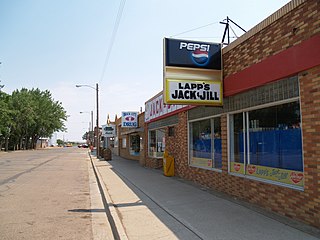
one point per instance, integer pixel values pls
(129, 119)
(183, 53)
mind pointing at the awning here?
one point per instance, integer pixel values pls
(134, 130)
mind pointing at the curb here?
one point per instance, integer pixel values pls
(111, 212)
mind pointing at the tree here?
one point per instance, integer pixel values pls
(50, 115)
(60, 142)
(29, 115)
(85, 136)
(6, 119)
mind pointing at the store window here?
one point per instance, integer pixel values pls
(134, 145)
(205, 143)
(156, 143)
(171, 131)
(124, 142)
(267, 143)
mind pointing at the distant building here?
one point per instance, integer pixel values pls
(53, 140)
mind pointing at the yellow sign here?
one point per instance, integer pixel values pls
(237, 167)
(201, 162)
(199, 92)
(276, 174)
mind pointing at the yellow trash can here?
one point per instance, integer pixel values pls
(168, 165)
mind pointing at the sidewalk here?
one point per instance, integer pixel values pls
(147, 205)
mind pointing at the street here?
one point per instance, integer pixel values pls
(45, 194)
(62, 193)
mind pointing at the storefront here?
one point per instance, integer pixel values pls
(262, 145)
(129, 142)
(160, 121)
(157, 142)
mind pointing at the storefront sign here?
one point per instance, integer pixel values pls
(192, 73)
(108, 130)
(129, 119)
(276, 174)
(237, 167)
(155, 108)
(201, 162)
(193, 92)
(184, 53)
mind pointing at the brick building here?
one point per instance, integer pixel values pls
(263, 145)
(129, 142)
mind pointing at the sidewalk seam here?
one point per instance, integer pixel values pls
(111, 212)
(101, 228)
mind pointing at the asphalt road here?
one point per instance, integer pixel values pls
(45, 194)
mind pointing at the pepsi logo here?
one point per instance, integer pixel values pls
(200, 58)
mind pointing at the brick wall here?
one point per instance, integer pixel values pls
(279, 34)
(296, 22)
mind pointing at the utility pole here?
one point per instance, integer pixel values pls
(97, 139)
(98, 128)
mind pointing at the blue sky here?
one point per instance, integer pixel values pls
(57, 44)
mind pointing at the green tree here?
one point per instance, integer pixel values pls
(6, 119)
(29, 115)
(50, 115)
(60, 142)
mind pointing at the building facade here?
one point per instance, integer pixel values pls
(129, 142)
(263, 145)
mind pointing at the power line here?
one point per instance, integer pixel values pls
(207, 37)
(113, 37)
(194, 29)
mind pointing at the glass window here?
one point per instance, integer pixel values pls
(267, 143)
(116, 141)
(134, 145)
(124, 142)
(171, 131)
(237, 140)
(217, 143)
(205, 143)
(157, 143)
(275, 137)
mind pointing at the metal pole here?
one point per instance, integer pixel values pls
(91, 132)
(97, 127)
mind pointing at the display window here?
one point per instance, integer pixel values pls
(205, 143)
(156, 144)
(134, 145)
(267, 143)
(124, 142)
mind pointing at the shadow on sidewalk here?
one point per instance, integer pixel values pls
(193, 212)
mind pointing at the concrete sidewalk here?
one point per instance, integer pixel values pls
(144, 204)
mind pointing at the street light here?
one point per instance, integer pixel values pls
(97, 124)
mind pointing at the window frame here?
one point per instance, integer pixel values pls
(247, 147)
(211, 118)
(150, 130)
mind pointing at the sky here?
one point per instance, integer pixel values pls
(56, 44)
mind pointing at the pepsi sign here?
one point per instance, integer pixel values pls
(129, 119)
(183, 53)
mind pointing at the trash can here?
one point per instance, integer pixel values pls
(168, 165)
(107, 155)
